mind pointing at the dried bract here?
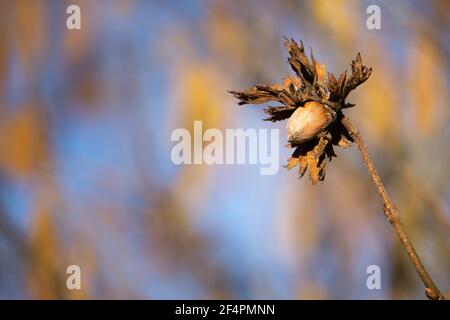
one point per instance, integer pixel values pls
(316, 128)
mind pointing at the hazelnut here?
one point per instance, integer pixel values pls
(308, 121)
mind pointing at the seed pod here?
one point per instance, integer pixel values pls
(313, 104)
(309, 121)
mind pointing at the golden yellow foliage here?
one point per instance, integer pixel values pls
(337, 17)
(428, 87)
(30, 29)
(21, 142)
(44, 271)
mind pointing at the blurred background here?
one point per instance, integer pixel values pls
(86, 176)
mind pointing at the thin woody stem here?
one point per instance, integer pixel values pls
(391, 213)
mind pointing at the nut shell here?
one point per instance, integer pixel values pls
(308, 121)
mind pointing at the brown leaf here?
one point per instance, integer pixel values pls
(292, 162)
(290, 80)
(339, 134)
(263, 93)
(344, 143)
(303, 165)
(311, 156)
(299, 61)
(360, 73)
(279, 113)
(320, 72)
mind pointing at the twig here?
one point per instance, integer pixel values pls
(391, 213)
